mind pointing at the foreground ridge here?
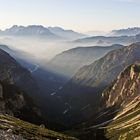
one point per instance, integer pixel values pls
(22, 130)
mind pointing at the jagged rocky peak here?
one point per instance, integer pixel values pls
(125, 89)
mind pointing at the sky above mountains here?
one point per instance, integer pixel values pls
(80, 15)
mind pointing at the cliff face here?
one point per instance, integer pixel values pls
(125, 89)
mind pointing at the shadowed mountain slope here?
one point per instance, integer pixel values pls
(84, 90)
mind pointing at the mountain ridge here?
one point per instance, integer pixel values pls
(89, 82)
(128, 31)
(118, 114)
(109, 40)
(41, 31)
(72, 60)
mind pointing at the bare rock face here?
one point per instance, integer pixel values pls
(125, 89)
(124, 97)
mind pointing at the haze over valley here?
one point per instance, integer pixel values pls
(70, 70)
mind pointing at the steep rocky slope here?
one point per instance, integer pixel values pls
(125, 89)
(84, 90)
(105, 70)
(125, 96)
(118, 116)
(126, 124)
(16, 89)
(12, 72)
(16, 102)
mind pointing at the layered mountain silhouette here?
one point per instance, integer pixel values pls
(60, 69)
(68, 62)
(64, 65)
(67, 34)
(109, 40)
(87, 92)
(32, 30)
(126, 32)
(41, 31)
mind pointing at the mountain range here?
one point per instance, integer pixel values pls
(117, 116)
(108, 40)
(41, 31)
(68, 62)
(126, 32)
(117, 107)
(83, 91)
(68, 34)
(89, 92)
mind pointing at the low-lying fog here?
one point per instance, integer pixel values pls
(36, 49)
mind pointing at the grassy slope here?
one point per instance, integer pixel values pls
(126, 126)
(30, 131)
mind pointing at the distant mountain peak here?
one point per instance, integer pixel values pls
(40, 30)
(31, 30)
(69, 34)
(128, 31)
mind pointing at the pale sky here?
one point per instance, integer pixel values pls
(80, 15)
